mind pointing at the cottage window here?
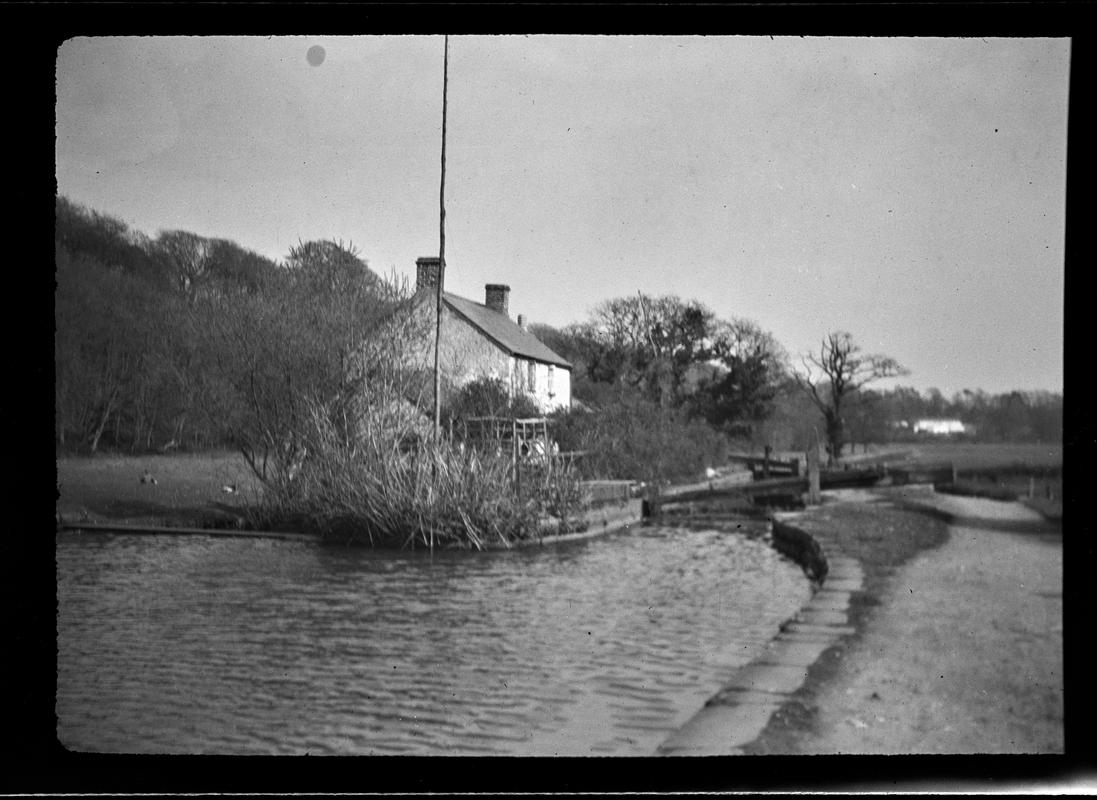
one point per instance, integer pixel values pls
(532, 377)
(551, 370)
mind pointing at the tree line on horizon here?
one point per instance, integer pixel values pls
(183, 341)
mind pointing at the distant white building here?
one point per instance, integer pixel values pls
(939, 427)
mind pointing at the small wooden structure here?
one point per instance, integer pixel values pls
(495, 430)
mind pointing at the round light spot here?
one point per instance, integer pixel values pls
(315, 55)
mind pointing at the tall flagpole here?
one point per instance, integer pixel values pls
(441, 254)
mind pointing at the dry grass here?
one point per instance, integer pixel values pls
(372, 491)
(363, 479)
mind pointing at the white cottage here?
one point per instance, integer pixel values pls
(481, 340)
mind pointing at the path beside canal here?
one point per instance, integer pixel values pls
(957, 649)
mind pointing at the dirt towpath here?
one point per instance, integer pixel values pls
(960, 650)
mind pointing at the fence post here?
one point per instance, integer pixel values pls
(813, 476)
(515, 460)
(650, 504)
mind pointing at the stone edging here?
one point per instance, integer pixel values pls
(110, 527)
(801, 547)
(599, 521)
(740, 711)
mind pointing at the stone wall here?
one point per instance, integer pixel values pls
(801, 547)
(465, 353)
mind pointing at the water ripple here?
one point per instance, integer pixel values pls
(206, 645)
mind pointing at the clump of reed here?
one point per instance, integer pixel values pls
(557, 491)
(379, 488)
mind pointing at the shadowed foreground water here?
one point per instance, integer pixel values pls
(181, 644)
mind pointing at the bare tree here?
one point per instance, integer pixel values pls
(303, 355)
(189, 259)
(837, 372)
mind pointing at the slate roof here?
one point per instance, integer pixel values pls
(502, 330)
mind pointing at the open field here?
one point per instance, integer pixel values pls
(965, 455)
(188, 489)
(970, 456)
(1002, 470)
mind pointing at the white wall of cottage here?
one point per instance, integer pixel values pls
(467, 354)
(549, 385)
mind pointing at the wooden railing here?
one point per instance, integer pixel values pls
(533, 451)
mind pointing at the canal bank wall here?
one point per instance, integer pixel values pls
(802, 547)
(740, 711)
(603, 519)
(594, 522)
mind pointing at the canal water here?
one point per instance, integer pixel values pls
(192, 644)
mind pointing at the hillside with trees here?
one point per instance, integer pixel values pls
(180, 341)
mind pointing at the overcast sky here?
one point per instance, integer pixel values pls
(910, 191)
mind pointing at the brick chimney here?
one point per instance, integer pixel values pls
(497, 297)
(427, 269)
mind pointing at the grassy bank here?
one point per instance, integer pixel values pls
(188, 491)
(878, 535)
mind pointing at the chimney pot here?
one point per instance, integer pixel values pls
(427, 271)
(497, 297)
(522, 321)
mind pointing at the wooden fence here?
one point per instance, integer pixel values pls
(533, 451)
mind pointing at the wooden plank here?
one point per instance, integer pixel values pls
(761, 463)
(703, 491)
